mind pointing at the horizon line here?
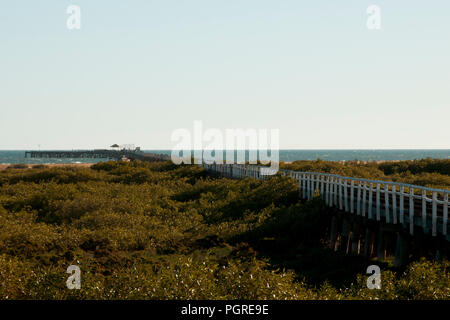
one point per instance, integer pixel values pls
(280, 149)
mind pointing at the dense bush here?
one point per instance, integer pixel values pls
(160, 231)
(441, 166)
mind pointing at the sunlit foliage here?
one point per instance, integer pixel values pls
(160, 231)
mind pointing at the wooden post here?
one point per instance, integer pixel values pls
(402, 203)
(352, 196)
(327, 190)
(401, 251)
(370, 201)
(434, 214)
(367, 238)
(344, 235)
(445, 215)
(309, 186)
(358, 199)
(333, 233)
(386, 203)
(345, 195)
(373, 237)
(394, 204)
(378, 202)
(330, 191)
(424, 211)
(411, 211)
(355, 245)
(363, 202)
(335, 191)
(381, 244)
(322, 186)
(304, 186)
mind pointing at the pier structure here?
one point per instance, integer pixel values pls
(116, 154)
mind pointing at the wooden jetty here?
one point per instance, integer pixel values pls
(99, 154)
(370, 217)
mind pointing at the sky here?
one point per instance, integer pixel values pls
(138, 70)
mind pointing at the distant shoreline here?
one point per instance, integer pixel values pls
(4, 166)
(11, 157)
(50, 165)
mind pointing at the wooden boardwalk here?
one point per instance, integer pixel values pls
(405, 206)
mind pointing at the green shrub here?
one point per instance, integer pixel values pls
(161, 231)
(18, 166)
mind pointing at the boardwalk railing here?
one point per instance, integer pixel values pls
(391, 202)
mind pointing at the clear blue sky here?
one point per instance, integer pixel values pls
(137, 70)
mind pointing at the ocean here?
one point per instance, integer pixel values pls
(18, 156)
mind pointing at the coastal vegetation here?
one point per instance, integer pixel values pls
(161, 231)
